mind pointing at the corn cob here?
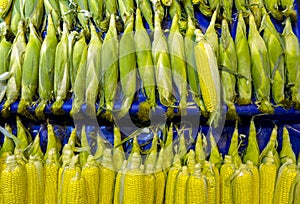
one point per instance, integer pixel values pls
(67, 13)
(16, 16)
(267, 179)
(255, 7)
(242, 185)
(273, 7)
(271, 146)
(149, 184)
(107, 178)
(211, 183)
(118, 152)
(5, 47)
(34, 10)
(52, 9)
(82, 13)
(244, 87)
(13, 182)
(35, 180)
(93, 71)
(144, 7)
(181, 183)
(5, 6)
(286, 175)
(260, 66)
(163, 73)
(286, 150)
(77, 190)
(30, 70)
(255, 181)
(15, 67)
(209, 80)
(252, 149)
(226, 171)
(196, 187)
(46, 68)
(178, 63)
(200, 148)
(292, 58)
(119, 184)
(171, 180)
(51, 168)
(228, 60)
(90, 173)
(144, 59)
(294, 193)
(160, 178)
(227, 9)
(288, 9)
(211, 34)
(61, 72)
(275, 48)
(241, 6)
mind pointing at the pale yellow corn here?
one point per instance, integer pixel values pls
(242, 185)
(211, 183)
(51, 179)
(180, 189)
(255, 181)
(226, 171)
(171, 180)
(149, 187)
(76, 191)
(160, 182)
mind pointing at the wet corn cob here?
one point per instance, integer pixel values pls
(226, 171)
(255, 181)
(196, 187)
(286, 150)
(171, 180)
(211, 183)
(76, 190)
(252, 150)
(242, 185)
(181, 184)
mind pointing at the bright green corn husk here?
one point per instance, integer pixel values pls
(30, 70)
(126, 9)
(111, 7)
(15, 67)
(16, 16)
(35, 148)
(228, 62)
(67, 13)
(260, 65)
(96, 7)
(127, 67)
(118, 151)
(168, 147)
(5, 47)
(275, 48)
(244, 85)
(52, 8)
(292, 62)
(52, 143)
(252, 150)
(233, 150)
(46, 68)
(161, 58)
(175, 9)
(227, 9)
(255, 7)
(273, 7)
(110, 63)
(80, 80)
(286, 150)
(144, 59)
(211, 34)
(23, 135)
(240, 6)
(93, 72)
(289, 8)
(8, 144)
(153, 153)
(81, 12)
(34, 11)
(61, 72)
(146, 10)
(178, 63)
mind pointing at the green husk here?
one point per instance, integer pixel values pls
(33, 11)
(15, 67)
(153, 153)
(255, 7)
(79, 83)
(46, 68)
(100, 149)
(23, 135)
(118, 151)
(289, 9)
(51, 142)
(144, 59)
(110, 64)
(168, 146)
(228, 60)
(260, 68)
(67, 13)
(286, 150)
(227, 9)
(215, 156)
(189, 9)
(82, 9)
(273, 7)
(211, 34)
(61, 72)
(158, 9)
(252, 150)
(175, 9)
(16, 16)
(145, 8)
(163, 72)
(84, 144)
(200, 148)
(241, 6)
(213, 4)
(126, 9)
(292, 62)
(93, 72)
(35, 148)
(234, 147)
(8, 144)
(275, 46)
(96, 7)
(205, 9)
(30, 71)
(111, 7)
(244, 86)
(178, 63)
(52, 8)
(5, 47)
(127, 66)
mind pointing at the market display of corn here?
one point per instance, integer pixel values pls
(102, 55)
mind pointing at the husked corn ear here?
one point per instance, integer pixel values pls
(13, 182)
(255, 181)
(267, 179)
(208, 74)
(242, 185)
(119, 184)
(295, 190)
(226, 171)
(180, 188)
(196, 187)
(191, 161)
(285, 178)
(107, 178)
(149, 184)
(171, 180)
(211, 183)
(160, 179)
(90, 172)
(76, 192)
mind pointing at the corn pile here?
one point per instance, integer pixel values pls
(73, 60)
(165, 173)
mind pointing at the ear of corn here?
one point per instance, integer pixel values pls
(295, 190)
(226, 171)
(118, 151)
(160, 180)
(260, 66)
(15, 67)
(210, 183)
(228, 60)
(244, 86)
(149, 184)
(255, 181)
(52, 9)
(96, 7)
(46, 68)
(119, 184)
(242, 185)
(5, 47)
(273, 7)
(16, 16)
(211, 34)
(34, 10)
(209, 79)
(8, 144)
(181, 184)
(252, 150)
(161, 58)
(267, 179)
(171, 180)
(196, 187)
(286, 150)
(76, 190)
(178, 63)
(227, 12)
(145, 7)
